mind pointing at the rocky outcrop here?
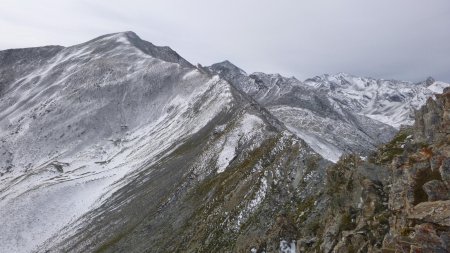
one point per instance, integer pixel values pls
(433, 120)
(419, 192)
(437, 212)
(397, 200)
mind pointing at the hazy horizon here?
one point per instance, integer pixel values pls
(405, 40)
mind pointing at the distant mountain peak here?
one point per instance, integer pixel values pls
(430, 80)
(130, 38)
(125, 34)
(227, 63)
(227, 66)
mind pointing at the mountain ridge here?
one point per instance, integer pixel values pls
(101, 114)
(329, 103)
(107, 143)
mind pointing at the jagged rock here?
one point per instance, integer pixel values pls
(418, 215)
(426, 239)
(329, 238)
(426, 120)
(352, 243)
(437, 212)
(430, 80)
(424, 223)
(445, 237)
(306, 243)
(58, 167)
(444, 170)
(436, 190)
(436, 161)
(388, 244)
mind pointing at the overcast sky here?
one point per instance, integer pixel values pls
(401, 39)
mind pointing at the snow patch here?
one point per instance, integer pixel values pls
(388, 101)
(260, 195)
(326, 150)
(438, 87)
(286, 247)
(246, 128)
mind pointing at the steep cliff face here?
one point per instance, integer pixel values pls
(397, 200)
(420, 185)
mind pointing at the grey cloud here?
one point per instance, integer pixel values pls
(402, 39)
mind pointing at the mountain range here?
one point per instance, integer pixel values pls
(118, 145)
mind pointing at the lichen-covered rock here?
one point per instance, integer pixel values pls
(436, 190)
(306, 243)
(444, 170)
(436, 161)
(404, 206)
(426, 239)
(437, 212)
(422, 224)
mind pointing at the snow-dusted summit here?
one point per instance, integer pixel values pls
(389, 101)
(107, 136)
(335, 114)
(75, 121)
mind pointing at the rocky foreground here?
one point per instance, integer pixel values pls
(396, 201)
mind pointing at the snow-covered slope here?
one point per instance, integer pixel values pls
(389, 101)
(335, 114)
(90, 132)
(85, 117)
(118, 145)
(326, 125)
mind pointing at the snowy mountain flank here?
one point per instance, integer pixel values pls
(335, 114)
(118, 145)
(389, 101)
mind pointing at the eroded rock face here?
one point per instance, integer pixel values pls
(397, 200)
(433, 119)
(437, 212)
(436, 190)
(420, 220)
